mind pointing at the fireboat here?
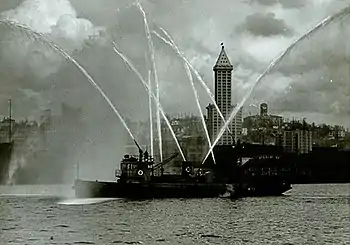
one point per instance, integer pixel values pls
(140, 177)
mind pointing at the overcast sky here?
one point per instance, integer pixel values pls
(312, 82)
(254, 32)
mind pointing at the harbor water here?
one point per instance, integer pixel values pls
(308, 214)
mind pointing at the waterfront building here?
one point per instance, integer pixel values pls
(263, 128)
(297, 138)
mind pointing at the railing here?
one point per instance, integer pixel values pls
(157, 173)
(118, 173)
(136, 158)
(134, 173)
(128, 173)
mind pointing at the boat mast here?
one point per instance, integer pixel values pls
(77, 173)
(150, 112)
(10, 121)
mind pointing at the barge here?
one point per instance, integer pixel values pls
(263, 175)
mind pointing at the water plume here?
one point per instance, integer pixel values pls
(172, 44)
(151, 50)
(150, 113)
(17, 162)
(276, 61)
(199, 107)
(159, 106)
(45, 40)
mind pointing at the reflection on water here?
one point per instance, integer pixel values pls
(321, 190)
(309, 214)
(37, 190)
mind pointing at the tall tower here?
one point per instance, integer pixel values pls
(223, 82)
(223, 97)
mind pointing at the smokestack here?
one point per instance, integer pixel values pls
(263, 109)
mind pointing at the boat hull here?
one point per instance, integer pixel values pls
(96, 189)
(5, 157)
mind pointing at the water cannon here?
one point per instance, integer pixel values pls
(138, 146)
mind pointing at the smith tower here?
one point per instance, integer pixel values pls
(223, 98)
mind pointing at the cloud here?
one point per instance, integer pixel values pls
(294, 3)
(56, 17)
(284, 3)
(265, 25)
(266, 2)
(59, 21)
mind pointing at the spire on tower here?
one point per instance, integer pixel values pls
(223, 62)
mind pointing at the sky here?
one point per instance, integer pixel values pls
(254, 33)
(311, 82)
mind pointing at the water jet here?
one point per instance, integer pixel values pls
(151, 50)
(159, 106)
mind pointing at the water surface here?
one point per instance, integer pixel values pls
(309, 214)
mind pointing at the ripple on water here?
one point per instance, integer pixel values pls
(211, 236)
(62, 226)
(83, 242)
(8, 229)
(160, 240)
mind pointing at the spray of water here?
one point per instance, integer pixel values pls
(151, 50)
(188, 71)
(172, 44)
(45, 40)
(159, 106)
(150, 112)
(322, 24)
(17, 162)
